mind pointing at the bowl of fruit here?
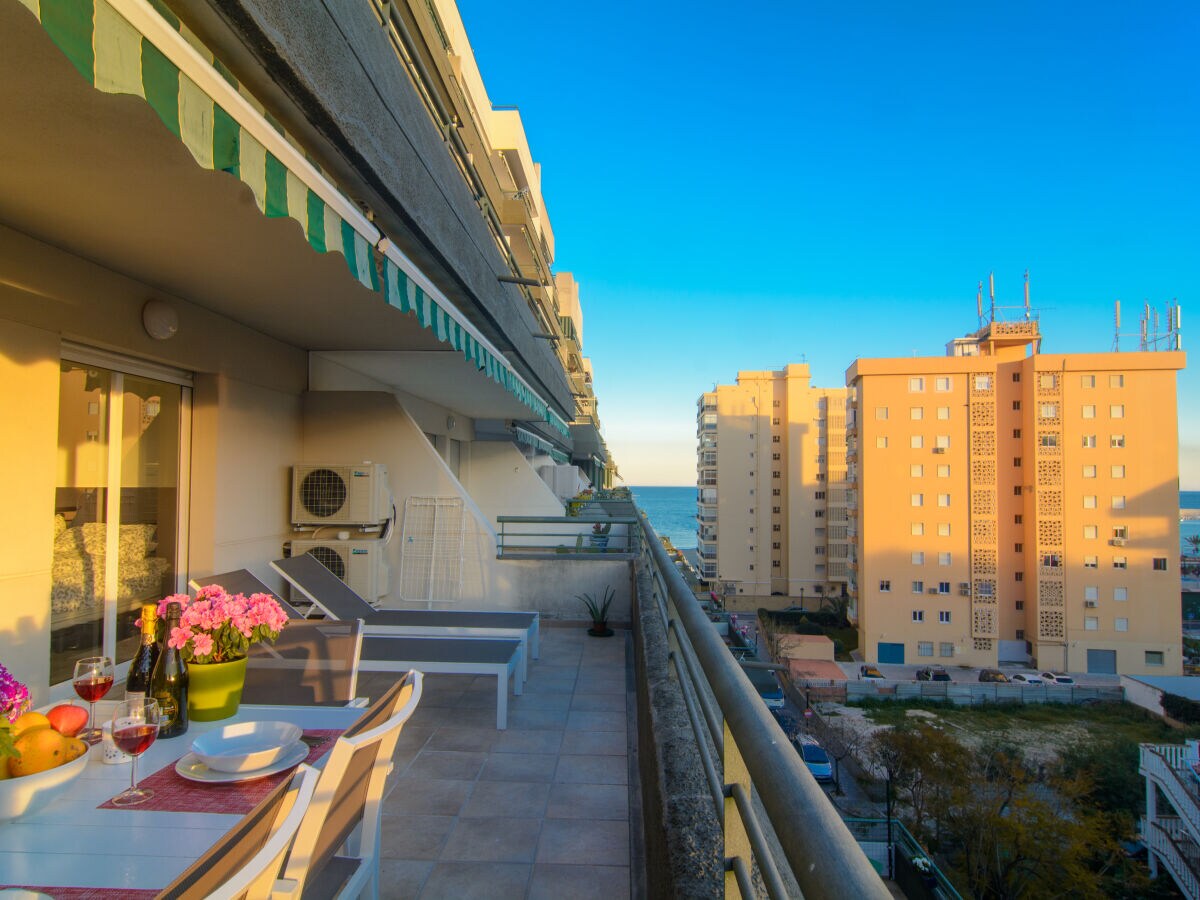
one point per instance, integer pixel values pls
(46, 756)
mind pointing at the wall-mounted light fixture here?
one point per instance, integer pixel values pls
(450, 422)
(160, 319)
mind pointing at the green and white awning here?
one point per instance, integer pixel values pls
(139, 47)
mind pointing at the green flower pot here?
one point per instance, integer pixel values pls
(215, 689)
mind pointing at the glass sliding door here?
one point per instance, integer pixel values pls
(116, 509)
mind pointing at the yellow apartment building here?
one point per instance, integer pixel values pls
(771, 485)
(1013, 505)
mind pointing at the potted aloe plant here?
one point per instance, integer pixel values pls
(598, 609)
(600, 535)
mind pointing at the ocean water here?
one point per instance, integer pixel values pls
(672, 512)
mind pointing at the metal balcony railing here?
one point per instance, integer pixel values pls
(744, 752)
(534, 536)
(1169, 841)
(1167, 767)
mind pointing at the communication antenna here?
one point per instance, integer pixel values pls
(1117, 327)
(979, 304)
(992, 294)
(1026, 295)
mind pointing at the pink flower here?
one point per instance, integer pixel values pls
(218, 626)
(202, 645)
(179, 637)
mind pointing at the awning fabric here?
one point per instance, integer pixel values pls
(118, 57)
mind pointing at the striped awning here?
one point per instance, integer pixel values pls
(139, 47)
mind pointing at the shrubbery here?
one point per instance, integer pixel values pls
(1181, 709)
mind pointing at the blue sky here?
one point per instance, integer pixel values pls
(826, 180)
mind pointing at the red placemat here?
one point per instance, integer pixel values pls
(174, 793)
(78, 893)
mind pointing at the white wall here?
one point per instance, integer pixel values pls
(502, 482)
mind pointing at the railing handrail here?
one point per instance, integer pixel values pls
(1162, 842)
(572, 520)
(824, 857)
(1184, 795)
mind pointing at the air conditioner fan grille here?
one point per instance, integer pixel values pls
(330, 559)
(323, 492)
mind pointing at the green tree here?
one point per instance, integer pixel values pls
(923, 762)
(1107, 770)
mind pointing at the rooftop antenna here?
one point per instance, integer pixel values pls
(992, 294)
(1117, 327)
(1026, 295)
(979, 304)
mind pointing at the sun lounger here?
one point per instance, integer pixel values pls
(330, 594)
(243, 581)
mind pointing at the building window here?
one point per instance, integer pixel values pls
(1120, 562)
(1016, 490)
(943, 529)
(1089, 471)
(819, 495)
(775, 545)
(1048, 440)
(943, 500)
(917, 528)
(983, 382)
(944, 616)
(775, 404)
(917, 499)
(1018, 576)
(945, 648)
(1160, 564)
(776, 510)
(918, 558)
(1091, 532)
(944, 588)
(1118, 471)
(1120, 624)
(916, 385)
(776, 528)
(774, 456)
(1016, 376)
(1018, 548)
(943, 471)
(1089, 500)
(775, 474)
(1116, 411)
(1120, 532)
(1154, 657)
(1048, 410)
(775, 562)
(775, 439)
(1016, 406)
(1116, 381)
(942, 441)
(1089, 411)
(881, 413)
(924, 648)
(941, 384)
(1091, 623)
(1020, 634)
(1017, 462)
(1121, 593)
(1091, 562)
(1018, 519)
(1016, 432)
(1020, 605)
(1091, 592)
(885, 586)
(1089, 442)
(751, 567)
(1051, 561)
(918, 615)
(775, 492)
(1087, 381)
(1117, 441)
(916, 470)
(916, 442)
(916, 413)
(943, 413)
(881, 442)
(943, 559)
(918, 587)
(1047, 381)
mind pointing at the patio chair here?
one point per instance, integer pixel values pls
(336, 850)
(334, 597)
(243, 581)
(248, 858)
(310, 663)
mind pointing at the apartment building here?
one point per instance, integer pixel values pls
(1014, 505)
(771, 488)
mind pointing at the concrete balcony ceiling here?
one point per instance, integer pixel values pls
(100, 175)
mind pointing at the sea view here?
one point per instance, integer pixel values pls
(672, 512)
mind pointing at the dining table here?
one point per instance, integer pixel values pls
(79, 847)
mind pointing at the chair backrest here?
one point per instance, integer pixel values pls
(247, 859)
(350, 793)
(307, 575)
(243, 581)
(311, 662)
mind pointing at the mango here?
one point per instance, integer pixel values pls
(29, 720)
(40, 749)
(75, 748)
(68, 719)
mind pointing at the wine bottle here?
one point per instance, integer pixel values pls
(169, 684)
(141, 669)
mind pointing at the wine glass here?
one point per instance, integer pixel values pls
(93, 679)
(134, 728)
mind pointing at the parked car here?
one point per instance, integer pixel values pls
(933, 673)
(1022, 678)
(993, 675)
(869, 671)
(815, 758)
(787, 722)
(1054, 678)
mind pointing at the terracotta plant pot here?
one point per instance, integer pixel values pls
(600, 629)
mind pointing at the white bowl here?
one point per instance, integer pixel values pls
(246, 746)
(31, 793)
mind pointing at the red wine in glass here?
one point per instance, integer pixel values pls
(92, 680)
(134, 728)
(135, 740)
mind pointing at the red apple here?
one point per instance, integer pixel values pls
(68, 719)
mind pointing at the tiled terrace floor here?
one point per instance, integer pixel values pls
(540, 810)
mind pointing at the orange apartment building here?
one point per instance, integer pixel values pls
(1014, 505)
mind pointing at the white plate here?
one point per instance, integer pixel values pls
(246, 746)
(191, 767)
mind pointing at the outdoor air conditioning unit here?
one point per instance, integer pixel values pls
(939, 449)
(1090, 604)
(964, 591)
(340, 494)
(932, 590)
(1118, 542)
(361, 564)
